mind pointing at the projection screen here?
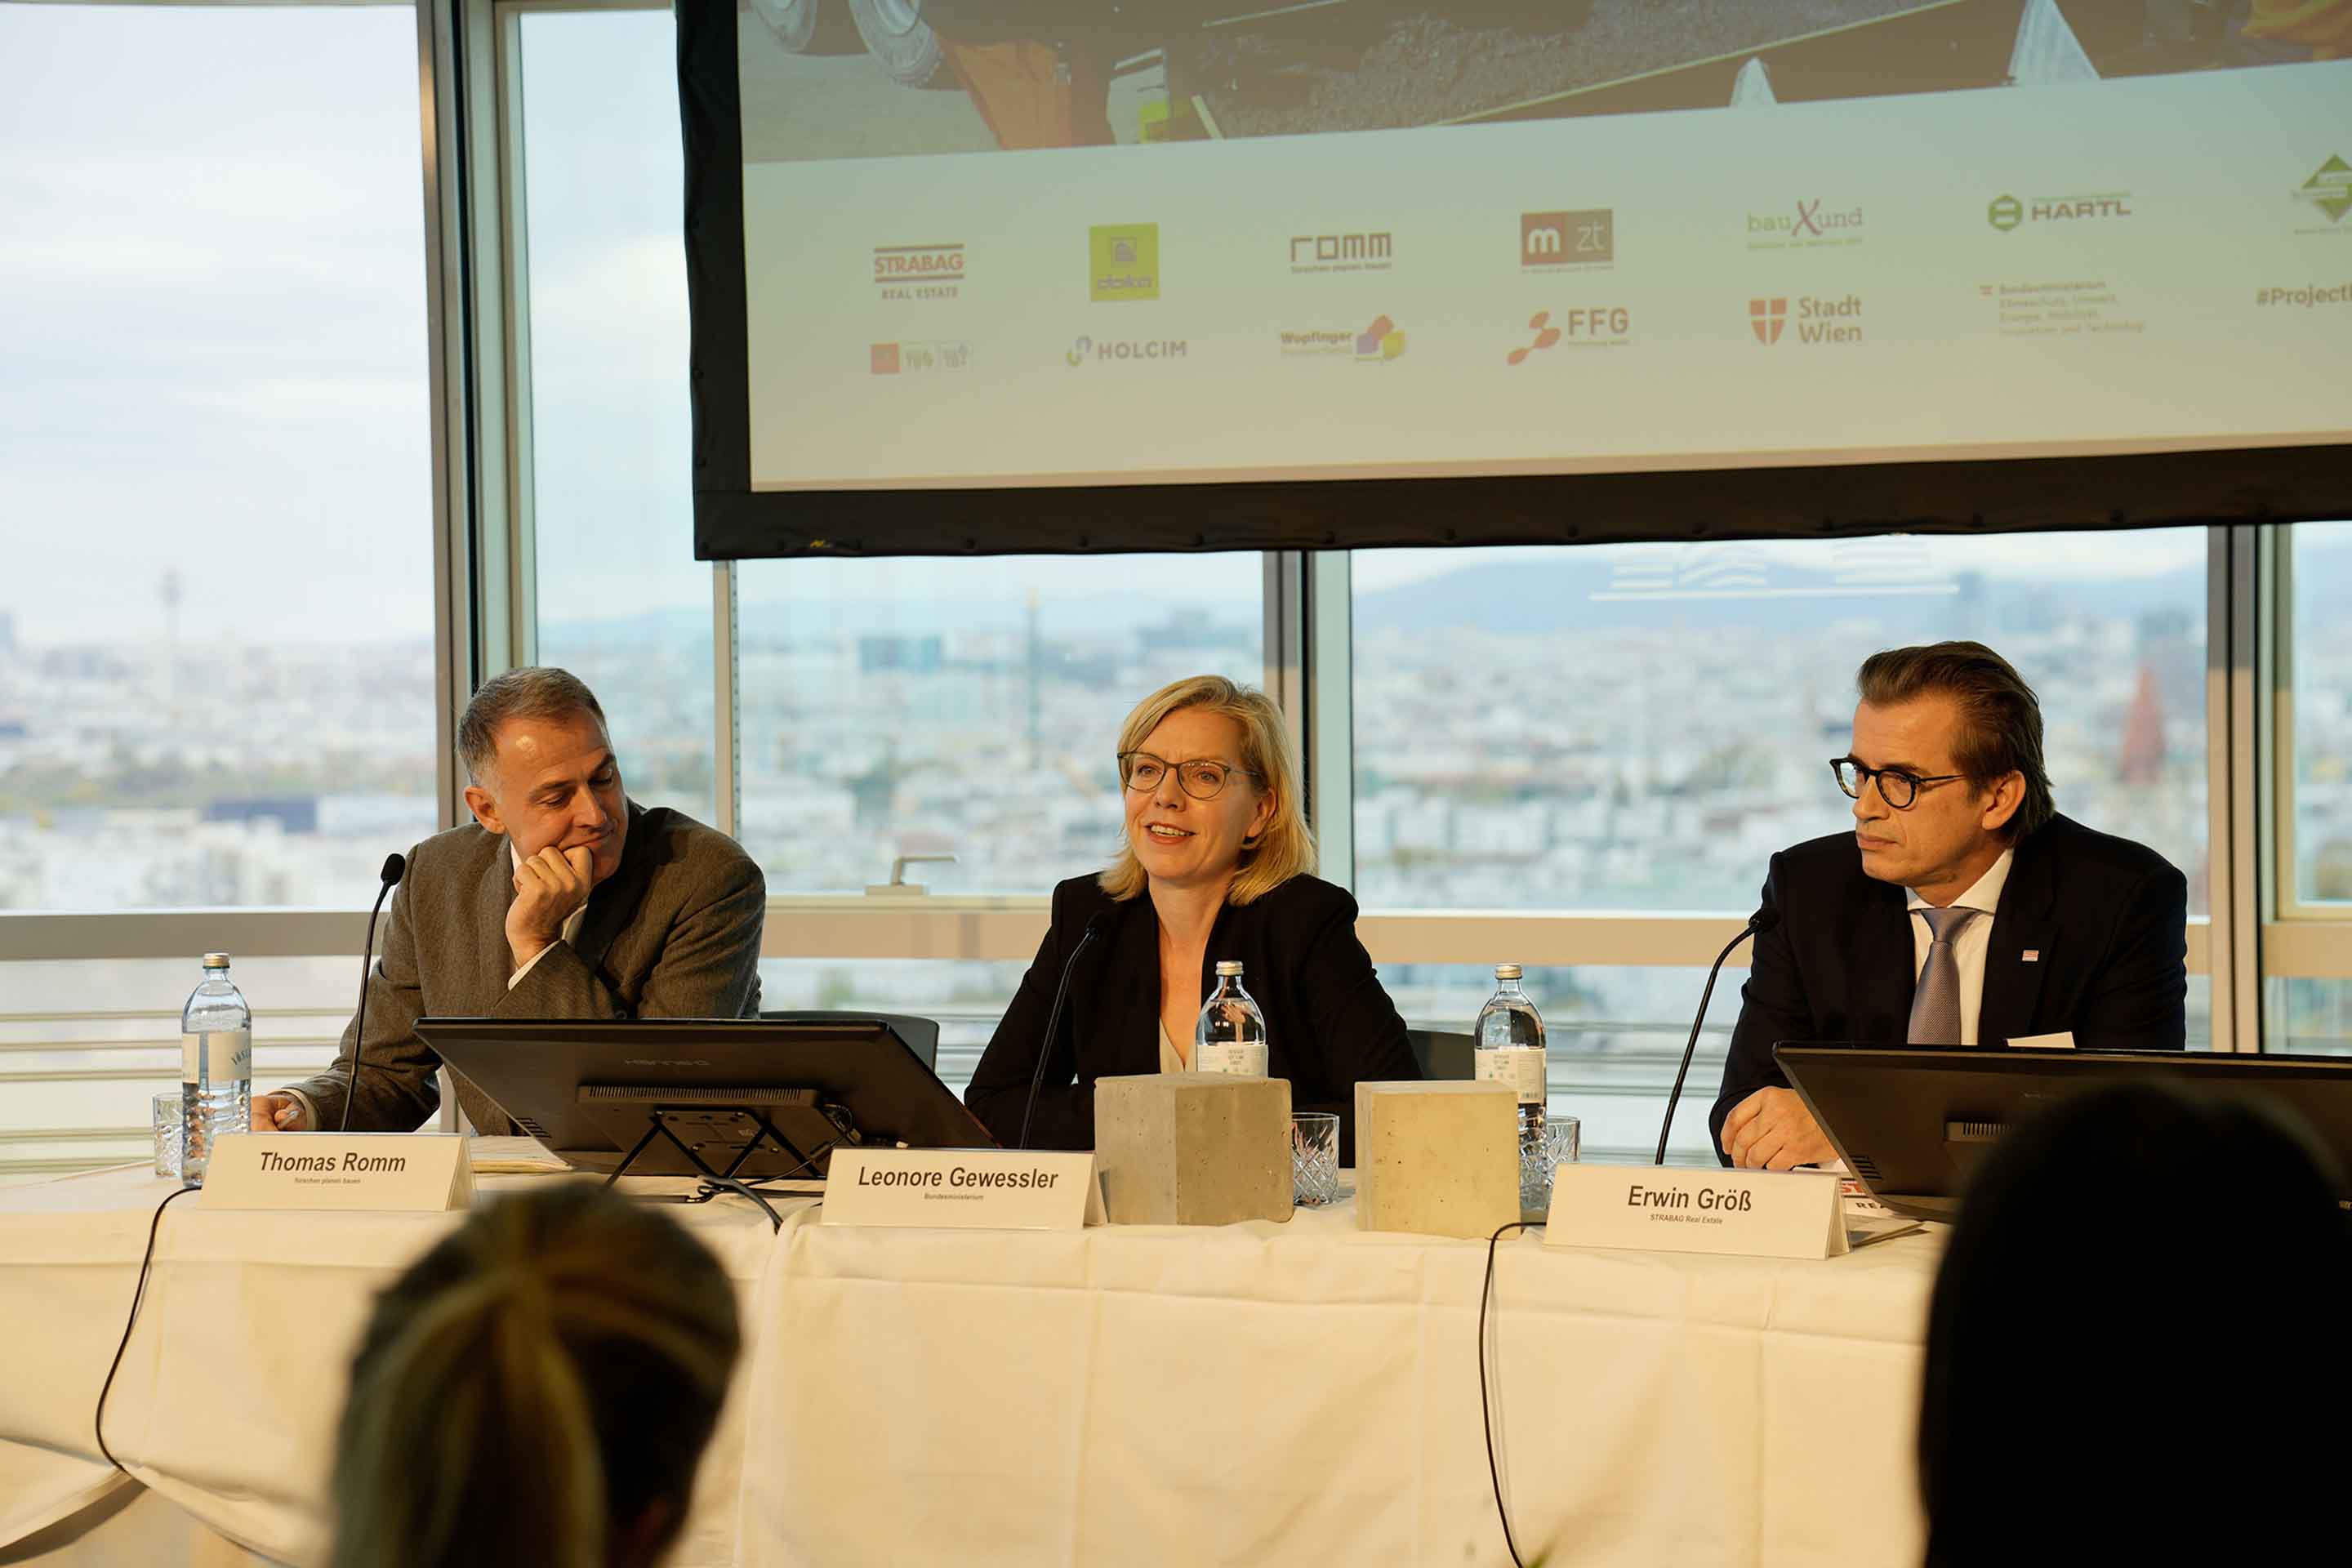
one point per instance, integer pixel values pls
(1052, 273)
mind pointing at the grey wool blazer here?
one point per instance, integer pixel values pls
(673, 934)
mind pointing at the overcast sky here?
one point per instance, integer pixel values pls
(212, 353)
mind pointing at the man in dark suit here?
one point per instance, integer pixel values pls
(563, 898)
(1961, 910)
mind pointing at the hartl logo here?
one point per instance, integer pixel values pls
(2005, 211)
(1123, 262)
(1584, 238)
(2329, 189)
(1766, 318)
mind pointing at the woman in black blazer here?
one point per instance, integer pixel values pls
(1213, 865)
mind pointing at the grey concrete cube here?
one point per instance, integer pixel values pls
(1194, 1148)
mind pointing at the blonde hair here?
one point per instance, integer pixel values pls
(1287, 847)
(536, 1383)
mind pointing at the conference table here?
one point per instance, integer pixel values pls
(1248, 1394)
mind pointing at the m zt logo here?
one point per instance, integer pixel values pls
(1585, 237)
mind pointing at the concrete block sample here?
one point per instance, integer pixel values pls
(1194, 1148)
(1437, 1158)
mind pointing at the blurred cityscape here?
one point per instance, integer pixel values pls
(1623, 728)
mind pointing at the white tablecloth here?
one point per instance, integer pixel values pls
(1258, 1393)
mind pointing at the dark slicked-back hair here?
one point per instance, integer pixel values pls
(2001, 719)
(537, 692)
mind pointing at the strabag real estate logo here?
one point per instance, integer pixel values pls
(1588, 327)
(1376, 344)
(1123, 262)
(1809, 226)
(1368, 252)
(1820, 322)
(2007, 213)
(919, 272)
(1085, 349)
(1563, 241)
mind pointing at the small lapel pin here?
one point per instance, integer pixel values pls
(2032, 955)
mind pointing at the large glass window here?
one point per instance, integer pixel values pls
(1641, 727)
(2321, 696)
(216, 678)
(965, 708)
(622, 603)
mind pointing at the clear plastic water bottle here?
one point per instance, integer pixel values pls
(216, 1067)
(1231, 1035)
(1510, 1034)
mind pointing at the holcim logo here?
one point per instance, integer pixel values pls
(1085, 349)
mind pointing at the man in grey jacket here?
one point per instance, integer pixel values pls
(563, 898)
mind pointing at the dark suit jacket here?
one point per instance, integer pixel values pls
(673, 932)
(1327, 1022)
(2107, 918)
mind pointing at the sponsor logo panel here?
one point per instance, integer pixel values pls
(1582, 238)
(2008, 213)
(1378, 344)
(1102, 351)
(923, 357)
(1807, 224)
(915, 272)
(1584, 327)
(1367, 251)
(1820, 322)
(1122, 262)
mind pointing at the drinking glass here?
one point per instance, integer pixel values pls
(1314, 1158)
(171, 1133)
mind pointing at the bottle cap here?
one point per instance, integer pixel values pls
(1229, 966)
(216, 961)
(1506, 972)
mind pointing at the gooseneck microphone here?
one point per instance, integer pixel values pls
(395, 867)
(1760, 922)
(1053, 1019)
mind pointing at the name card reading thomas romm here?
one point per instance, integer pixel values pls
(419, 1172)
(983, 1189)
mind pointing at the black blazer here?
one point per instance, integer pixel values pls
(2107, 919)
(1327, 1022)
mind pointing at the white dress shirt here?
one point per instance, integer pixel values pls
(1171, 1059)
(1968, 948)
(570, 927)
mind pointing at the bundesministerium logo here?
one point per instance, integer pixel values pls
(1123, 262)
(2005, 211)
(1819, 321)
(1341, 252)
(1560, 240)
(919, 272)
(2329, 189)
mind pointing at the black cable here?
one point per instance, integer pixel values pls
(395, 867)
(1485, 1417)
(97, 1422)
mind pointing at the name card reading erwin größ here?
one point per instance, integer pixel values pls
(1754, 1213)
(980, 1189)
(418, 1172)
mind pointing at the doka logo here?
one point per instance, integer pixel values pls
(2006, 212)
(2329, 189)
(1123, 262)
(1821, 322)
(1559, 240)
(1590, 327)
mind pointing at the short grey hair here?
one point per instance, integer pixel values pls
(535, 691)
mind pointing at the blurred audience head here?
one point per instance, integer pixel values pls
(537, 1389)
(1211, 794)
(2134, 1342)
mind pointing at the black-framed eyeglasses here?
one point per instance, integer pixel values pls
(1200, 778)
(1896, 788)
